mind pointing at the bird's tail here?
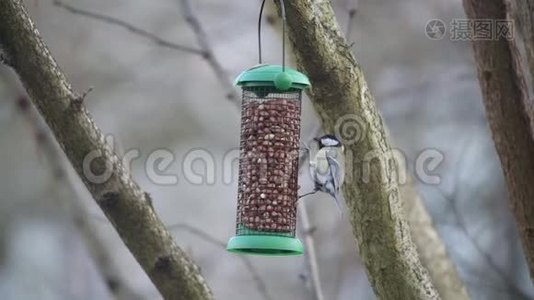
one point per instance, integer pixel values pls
(338, 199)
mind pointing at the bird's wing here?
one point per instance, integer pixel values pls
(335, 171)
(341, 161)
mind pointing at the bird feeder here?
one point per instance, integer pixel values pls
(268, 162)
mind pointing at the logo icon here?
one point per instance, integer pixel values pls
(351, 129)
(435, 29)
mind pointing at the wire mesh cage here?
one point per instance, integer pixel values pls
(268, 169)
(268, 162)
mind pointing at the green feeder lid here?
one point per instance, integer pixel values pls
(268, 245)
(272, 75)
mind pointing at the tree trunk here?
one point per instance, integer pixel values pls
(339, 92)
(127, 207)
(523, 14)
(506, 101)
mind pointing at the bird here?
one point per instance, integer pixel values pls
(327, 167)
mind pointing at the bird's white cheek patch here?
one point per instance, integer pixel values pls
(329, 142)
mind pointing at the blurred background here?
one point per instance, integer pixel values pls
(56, 244)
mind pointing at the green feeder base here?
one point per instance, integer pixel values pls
(265, 245)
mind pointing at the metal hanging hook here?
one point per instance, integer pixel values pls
(283, 11)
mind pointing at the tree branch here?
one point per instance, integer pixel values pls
(133, 29)
(202, 38)
(430, 247)
(506, 101)
(121, 199)
(306, 230)
(338, 90)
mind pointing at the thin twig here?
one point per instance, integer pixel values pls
(310, 254)
(352, 7)
(307, 229)
(304, 223)
(202, 38)
(260, 283)
(133, 29)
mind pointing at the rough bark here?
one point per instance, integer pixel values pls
(523, 13)
(430, 247)
(127, 207)
(339, 90)
(72, 203)
(506, 101)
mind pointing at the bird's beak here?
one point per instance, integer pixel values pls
(317, 139)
